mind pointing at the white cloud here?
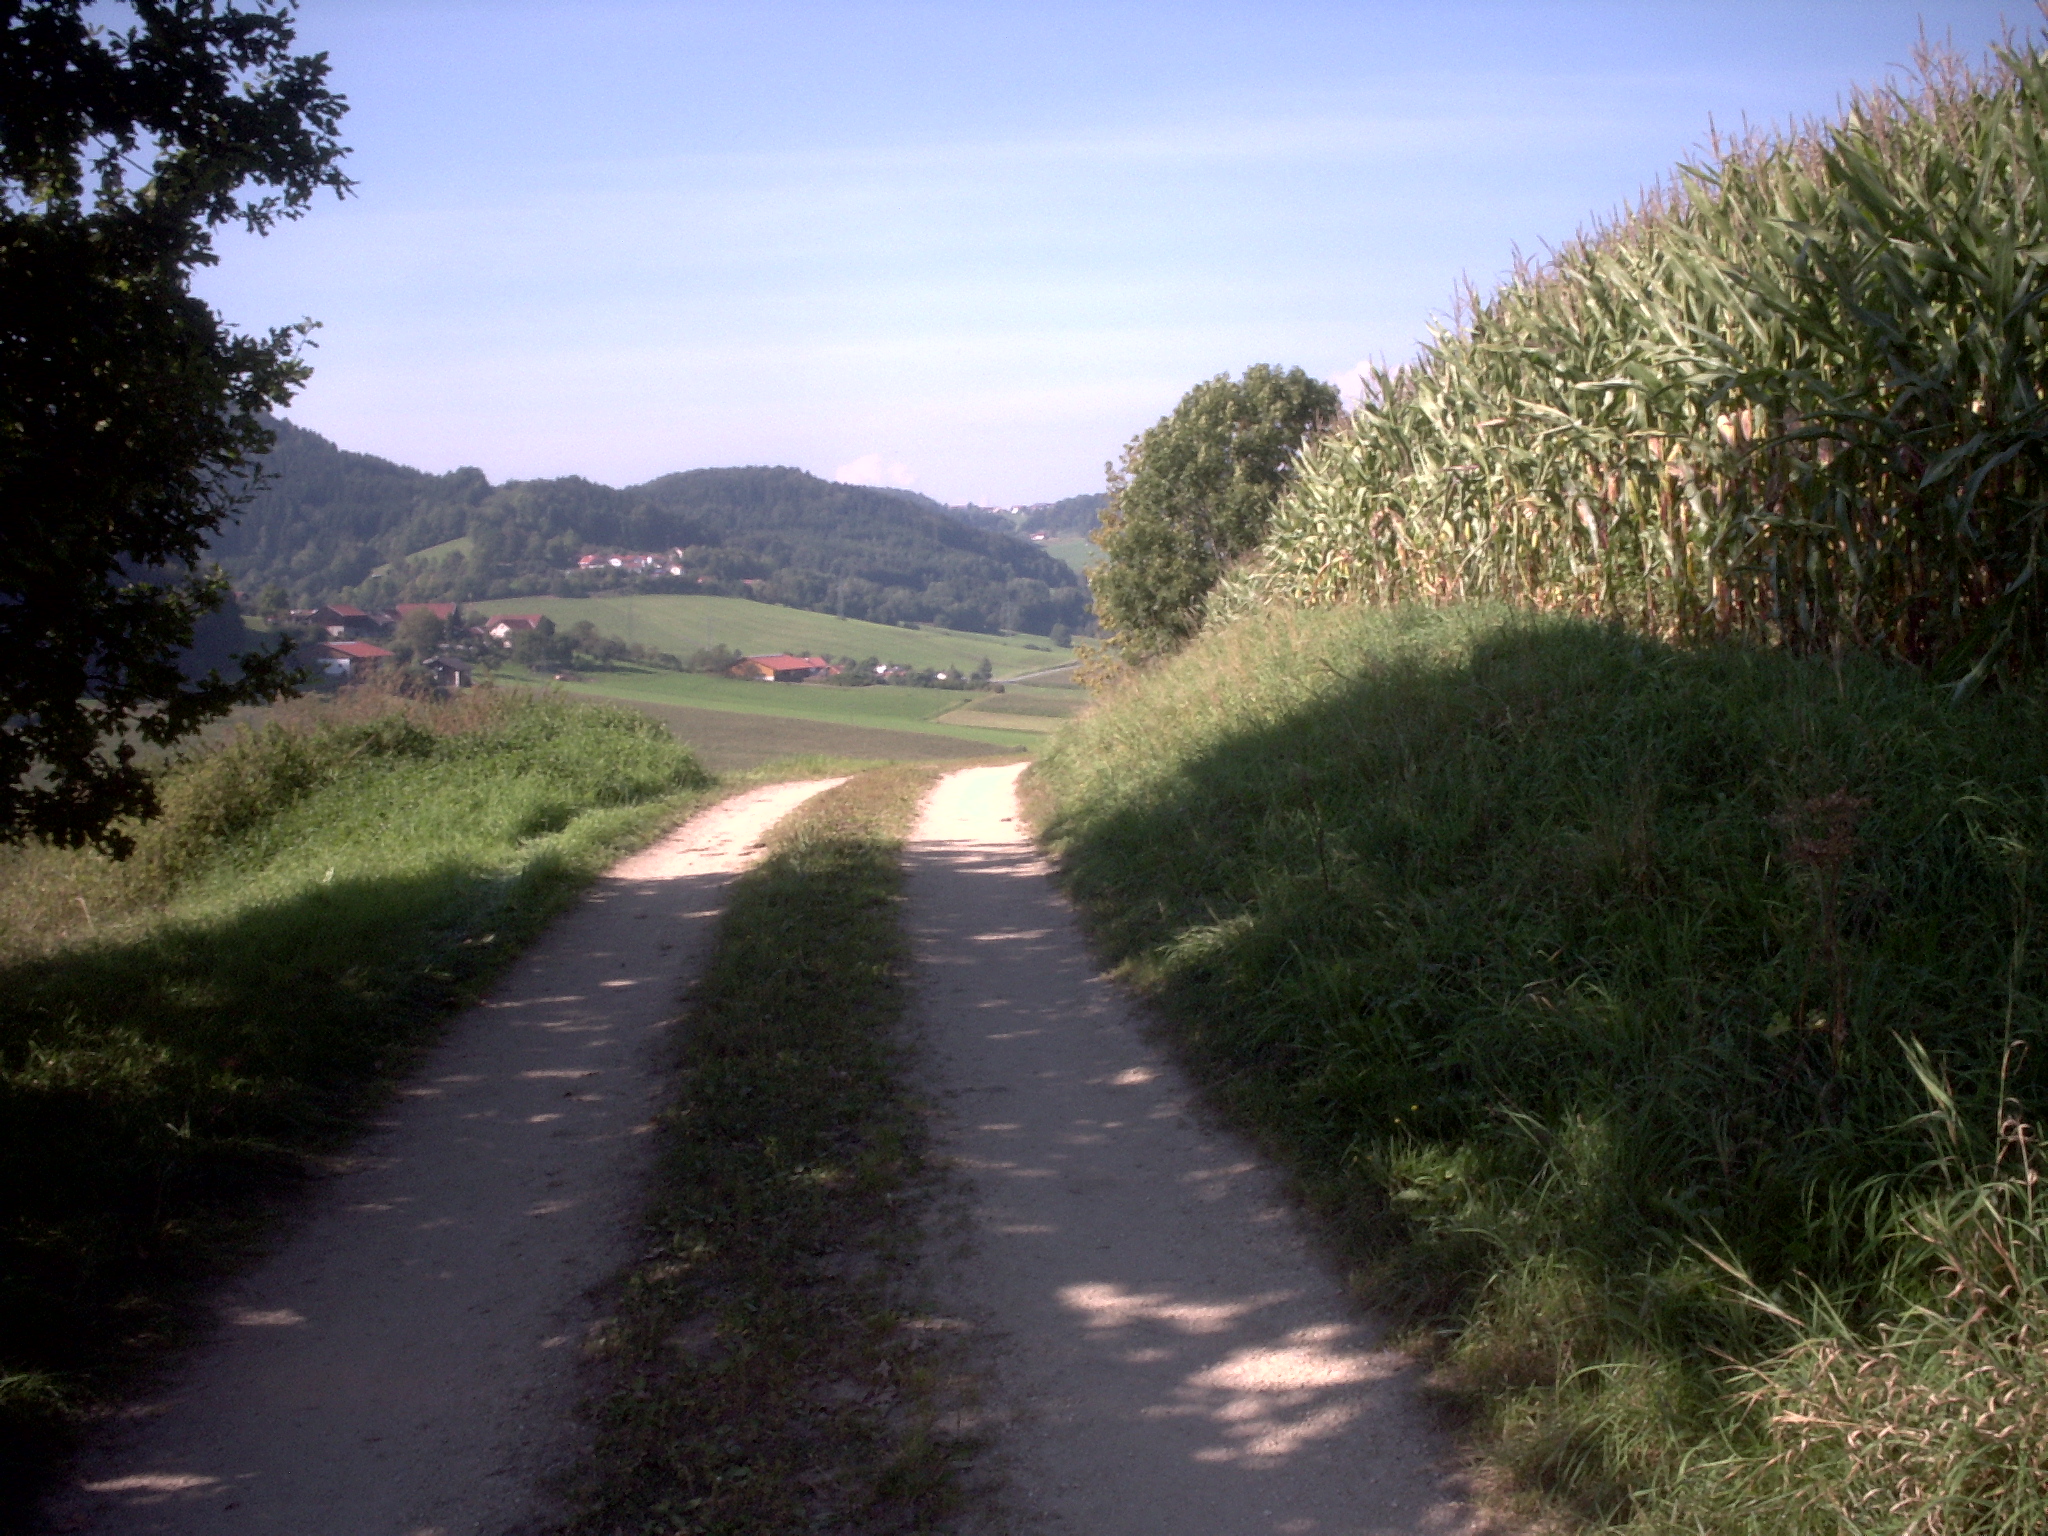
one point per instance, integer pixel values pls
(1351, 382)
(873, 469)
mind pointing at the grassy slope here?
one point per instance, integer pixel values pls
(462, 546)
(177, 1035)
(1556, 960)
(681, 625)
(1079, 553)
(767, 1370)
(894, 709)
(726, 742)
(1021, 699)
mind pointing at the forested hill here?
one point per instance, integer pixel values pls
(1071, 516)
(329, 525)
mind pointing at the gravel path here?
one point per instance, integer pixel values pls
(404, 1363)
(1170, 1355)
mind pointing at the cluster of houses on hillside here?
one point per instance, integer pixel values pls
(634, 563)
(348, 651)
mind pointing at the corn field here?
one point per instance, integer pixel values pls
(1793, 396)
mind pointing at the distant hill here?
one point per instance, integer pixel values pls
(330, 525)
(1076, 515)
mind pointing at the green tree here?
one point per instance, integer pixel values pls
(1194, 494)
(129, 412)
(540, 649)
(421, 633)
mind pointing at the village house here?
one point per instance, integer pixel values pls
(450, 672)
(348, 658)
(507, 626)
(445, 612)
(340, 621)
(633, 562)
(784, 669)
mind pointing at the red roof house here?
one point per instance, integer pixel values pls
(345, 658)
(784, 669)
(506, 625)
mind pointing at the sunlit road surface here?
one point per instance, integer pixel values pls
(1169, 1354)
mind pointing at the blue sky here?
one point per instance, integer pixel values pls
(971, 249)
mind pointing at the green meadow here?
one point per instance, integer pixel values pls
(681, 625)
(913, 711)
(1079, 553)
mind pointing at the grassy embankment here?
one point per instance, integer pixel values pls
(1569, 967)
(180, 1033)
(768, 1368)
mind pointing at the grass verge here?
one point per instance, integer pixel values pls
(767, 1369)
(179, 1035)
(910, 711)
(1567, 967)
(726, 741)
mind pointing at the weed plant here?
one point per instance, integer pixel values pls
(767, 1371)
(1934, 1421)
(180, 1034)
(1793, 395)
(1568, 966)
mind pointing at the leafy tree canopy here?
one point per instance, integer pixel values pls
(129, 413)
(1193, 494)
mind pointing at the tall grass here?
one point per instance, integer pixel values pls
(1568, 965)
(1934, 1421)
(1795, 395)
(180, 1033)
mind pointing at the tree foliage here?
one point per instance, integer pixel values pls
(129, 412)
(1193, 495)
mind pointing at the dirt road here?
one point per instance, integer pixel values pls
(403, 1364)
(1171, 1355)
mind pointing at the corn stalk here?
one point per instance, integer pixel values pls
(1794, 396)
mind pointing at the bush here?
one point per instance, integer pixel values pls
(713, 660)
